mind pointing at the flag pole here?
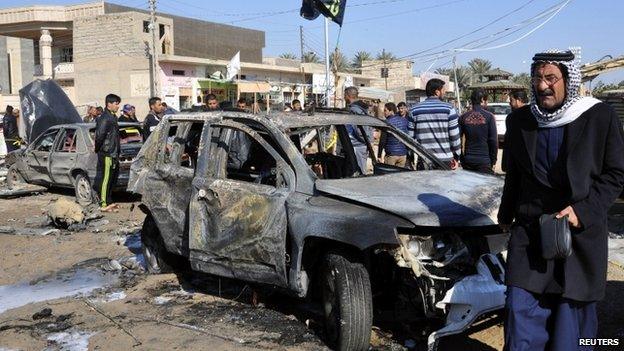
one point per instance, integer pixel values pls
(327, 87)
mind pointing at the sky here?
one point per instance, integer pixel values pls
(507, 33)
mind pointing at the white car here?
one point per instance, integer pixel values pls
(500, 111)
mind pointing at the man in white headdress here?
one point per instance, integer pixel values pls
(566, 159)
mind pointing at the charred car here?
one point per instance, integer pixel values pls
(280, 200)
(64, 156)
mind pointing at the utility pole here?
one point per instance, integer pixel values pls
(303, 80)
(327, 86)
(154, 28)
(459, 110)
(385, 75)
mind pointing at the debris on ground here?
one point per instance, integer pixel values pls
(22, 190)
(28, 231)
(44, 313)
(63, 213)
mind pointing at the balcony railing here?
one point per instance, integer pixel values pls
(60, 70)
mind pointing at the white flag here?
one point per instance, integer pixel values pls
(233, 67)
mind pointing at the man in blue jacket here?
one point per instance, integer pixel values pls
(396, 151)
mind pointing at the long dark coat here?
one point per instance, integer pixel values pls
(592, 170)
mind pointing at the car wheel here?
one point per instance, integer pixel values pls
(153, 248)
(83, 189)
(347, 303)
(14, 177)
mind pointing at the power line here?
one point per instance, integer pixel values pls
(422, 53)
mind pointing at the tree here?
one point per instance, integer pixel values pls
(386, 55)
(289, 56)
(339, 62)
(463, 75)
(478, 67)
(311, 57)
(523, 79)
(600, 87)
(360, 57)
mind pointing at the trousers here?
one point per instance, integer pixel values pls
(105, 178)
(536, 322)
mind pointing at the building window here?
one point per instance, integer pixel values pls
(177, 72)
(36, 52)
(67, 55)
(146, 27)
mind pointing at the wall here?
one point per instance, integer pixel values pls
(27, 62)
(197, 38)
(4, 68)
(109, 57)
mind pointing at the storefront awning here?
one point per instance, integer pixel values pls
(253, 87)
(374, 93)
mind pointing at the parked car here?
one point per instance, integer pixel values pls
(63, 156)
(500, 111)
(280, 200)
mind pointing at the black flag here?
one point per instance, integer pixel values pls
(333, 9)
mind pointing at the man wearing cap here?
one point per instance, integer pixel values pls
(566, 158)
(128, 114)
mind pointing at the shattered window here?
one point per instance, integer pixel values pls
(68, 141)
(182, 145)
(347, 151)
(247, 159)
(46, 142)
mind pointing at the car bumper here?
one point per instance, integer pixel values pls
(471, 297)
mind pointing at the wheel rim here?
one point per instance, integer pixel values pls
(330, 306)
(83, 189)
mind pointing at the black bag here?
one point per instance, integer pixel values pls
(556, 236)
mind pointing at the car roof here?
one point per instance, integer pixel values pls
(284, 120)
(92, 125)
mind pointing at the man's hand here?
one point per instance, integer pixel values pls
(572, 218)
(454, 164)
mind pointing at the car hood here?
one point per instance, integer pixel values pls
(426, 198)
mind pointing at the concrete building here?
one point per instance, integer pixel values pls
(401, 81)
(98, 48)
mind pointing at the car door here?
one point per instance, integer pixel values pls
(63, 157)
(171, 183)
(238, 207)
(38, 156)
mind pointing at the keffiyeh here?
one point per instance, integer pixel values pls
(574, 104)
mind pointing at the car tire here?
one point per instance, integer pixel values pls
(83, 190)
(153, 248)
(14, 177)
(347, 304)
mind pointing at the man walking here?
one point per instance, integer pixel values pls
(128, 114)
(10, 130)
(478, 129)
(404, 111)
(92, 113)
(517, 99)
(153, 116)
(358, 140)
(107, 148)
(566, 157)
(435, 126)
(396, 151)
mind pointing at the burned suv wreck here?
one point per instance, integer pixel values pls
(280, 200)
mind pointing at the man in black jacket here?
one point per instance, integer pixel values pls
(107, 148)
(153, 117)
(566, 157)
(478, 129)
(10, 131)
